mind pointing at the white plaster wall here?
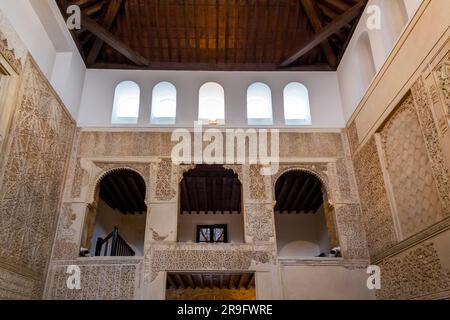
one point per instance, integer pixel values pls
(301, 235)
(382, 41)
(42, 30)
(325, 283)
(187, 225)
(98, 95)
(131, 227)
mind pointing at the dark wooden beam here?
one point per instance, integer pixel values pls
(326, 32)
(109, 38)
(110, 17)
(316, 22)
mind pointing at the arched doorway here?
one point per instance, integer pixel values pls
(303, 224)
(210, 206)
(115, 224)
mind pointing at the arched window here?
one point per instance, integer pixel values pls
(365, 59)
(211, 103)
(126, 103)
(164, 103)
(259, 104)
(296, 104)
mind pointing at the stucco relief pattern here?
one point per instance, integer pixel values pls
(417, 201)
(351, 231)
(442, 74)
(256, 185)
(42, 133)
(194, 257)
(259, 222)
(14, 286)
(102, 281)
(164, 189)
(440, 171)
(375, 207)
(65, 246)
(415, 273)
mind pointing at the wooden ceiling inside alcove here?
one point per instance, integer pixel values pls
(234, 35)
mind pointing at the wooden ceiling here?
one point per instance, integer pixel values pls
(298, 192)
(210, 280)
(215, 34)
(124, 190)
(210, 188)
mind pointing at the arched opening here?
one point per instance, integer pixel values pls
(296, 104)
(259, 104)
(115, 224)
(365, 60)
(210, 206)
(303, 222)
(164, 103)
(126, 103)
(211, 103)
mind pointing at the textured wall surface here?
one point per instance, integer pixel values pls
(404, 186)
(31, 185)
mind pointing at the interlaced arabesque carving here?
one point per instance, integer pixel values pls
(164, 189)
(375, 207)
(416, 273)
(439, 168)
(33, 175)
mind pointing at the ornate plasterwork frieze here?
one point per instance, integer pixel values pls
(195, 257)
(100, 280)
(415, 273)
(442, 74)
(440, 170)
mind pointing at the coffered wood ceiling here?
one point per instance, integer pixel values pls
(215, 34)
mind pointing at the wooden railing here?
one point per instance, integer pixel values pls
(113, 246)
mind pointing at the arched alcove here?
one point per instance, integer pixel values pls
(301, 216)
(210, 206)
(366, 61)
(115, 223)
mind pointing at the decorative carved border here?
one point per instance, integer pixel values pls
(412, 241)
(440, 171)
(9, 55)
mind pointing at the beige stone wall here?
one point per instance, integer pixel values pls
(403, 173)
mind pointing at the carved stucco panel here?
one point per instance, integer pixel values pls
(352, 236)
(99, 281)
(440, 170)
(165, 186)
(259, 222)
(442, 74)
(376, 212)
(257, 186)
(41, 139)
(416, 273)
(417, 201)
(193, 257)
